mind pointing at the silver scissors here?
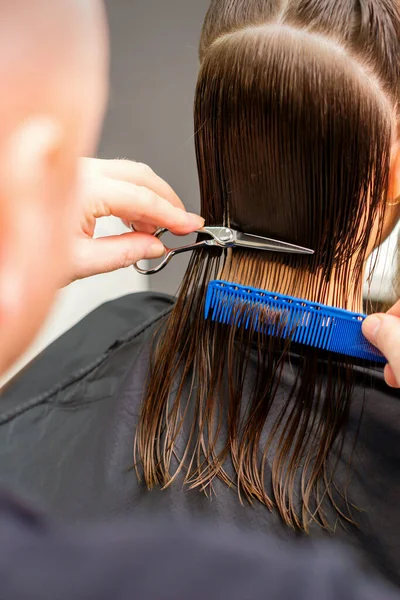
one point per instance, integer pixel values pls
(223, 237)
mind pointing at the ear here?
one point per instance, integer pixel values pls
(394, 176)
(392, 212)
(28, 161)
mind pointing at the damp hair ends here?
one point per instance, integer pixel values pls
(295, 116)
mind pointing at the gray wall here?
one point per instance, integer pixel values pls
(154, 65)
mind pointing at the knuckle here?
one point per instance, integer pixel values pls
(385, 332)
(146, 203)
(143, 169)
(124, 162)
(130, 254)
(388, 339)
(129, 258)
(149, 198)
(382, 337)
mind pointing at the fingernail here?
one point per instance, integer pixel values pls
(371, 327)
(195, 221)
(154, 251)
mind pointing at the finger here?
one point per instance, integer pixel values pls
(141, 175)
(103, 255)
(390, 377)
(395, 310)
(142, 206)
(384, 332)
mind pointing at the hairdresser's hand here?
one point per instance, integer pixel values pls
(383, 330)
(135, 194)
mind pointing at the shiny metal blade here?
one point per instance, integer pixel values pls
(247, 240)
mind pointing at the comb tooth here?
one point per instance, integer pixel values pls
(290, 324)
(219, 303)
(301, 329)
(318, 331)
(275, 306)
(314, 330)
(239, 301)
(216, 308)
(324, 325)
(308, 324)
(329, 331)
(237, 316)
(283, 322)
(274, 321)
(301, 326)
(240, 315)
(256, 316)
(224, 305)
(309, 329)
(278, 322)
(220, 306)
(228, 308)
(321, 331)
(307, 318)
(215, 305)
(294, 327)
(324, 332)
(209, 300)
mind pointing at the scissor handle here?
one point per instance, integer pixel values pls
(169, 253)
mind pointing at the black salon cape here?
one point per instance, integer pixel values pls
(67, 427)
(41, 560)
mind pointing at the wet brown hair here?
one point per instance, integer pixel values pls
(295, 113)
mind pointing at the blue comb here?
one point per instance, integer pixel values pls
(304, 322)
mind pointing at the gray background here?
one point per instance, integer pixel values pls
(154, 66)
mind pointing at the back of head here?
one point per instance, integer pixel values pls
(295, 121)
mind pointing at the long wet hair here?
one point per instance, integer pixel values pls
(295, 116)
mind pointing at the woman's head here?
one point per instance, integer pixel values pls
(295, 121)
(296, 116)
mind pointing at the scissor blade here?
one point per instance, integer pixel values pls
(248, 240)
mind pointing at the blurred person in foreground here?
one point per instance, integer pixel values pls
(53, 61)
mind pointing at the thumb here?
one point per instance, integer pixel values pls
(383, 330)
(103, 255)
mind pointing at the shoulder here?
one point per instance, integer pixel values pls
(197, 559)
(85, 345)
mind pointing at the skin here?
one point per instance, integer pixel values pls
(383, 330)
(51, 109)
(135, 194)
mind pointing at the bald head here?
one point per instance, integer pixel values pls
(46, 24)
(49, 51)
(53, 83)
